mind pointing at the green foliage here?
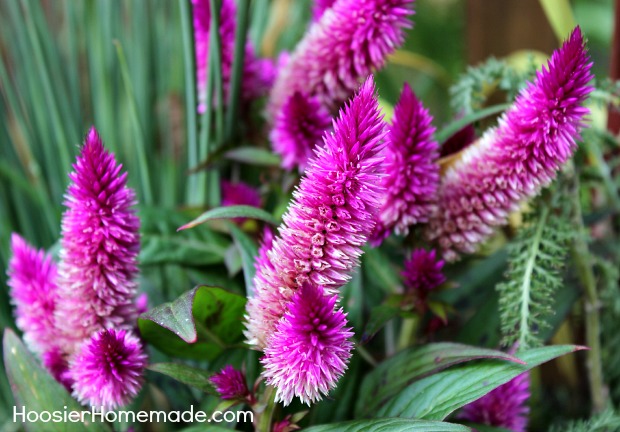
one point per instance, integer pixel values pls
(607, 421)
(536, 256)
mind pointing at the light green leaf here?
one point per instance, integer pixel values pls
(189, 375)
(231, 212)
(389, 425)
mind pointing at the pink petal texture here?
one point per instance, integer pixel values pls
(107, 371)
(331, 217)
(504, 407)
(412, 172)
(310, 348)
(230, 383)
(34, 292)
(258, 74)
(423, 271)
(512, 162)
(351, 40)
(298, 128)
(56, 363)
(99, 248)
(319, 7)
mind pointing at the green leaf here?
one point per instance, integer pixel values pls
(189, 375)
(389, 425)
(169, 249)
(437, 396)
(249, 251)
(379, 316)
(35, 390)
(560, 16)
(254, 156)
(412, 364)
(200, 324)
(230, 212)
(442, 135)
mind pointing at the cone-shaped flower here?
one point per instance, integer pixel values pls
(423, 271)
(310, 348)
(32, 279)
(230, 383)
(351, 40)
(107, 371)
(412, 172)
(298, 128)
(258, 74)
(505, 407)
(512, 162)
(99, 248)
(330, 219)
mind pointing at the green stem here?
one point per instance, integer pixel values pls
(237, 73)
(583, 262)
(365, 355)
(265, 409)
(407, 332)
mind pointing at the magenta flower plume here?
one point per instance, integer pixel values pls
(330, 219)
(351, 40)
(32, 279)
(107, 370)
(412, 172)
(511, 163)
(504, 407)
(258, 74)
(230, 383)
(99, 248)
(423, 271)
(298, 128)
(310, 348)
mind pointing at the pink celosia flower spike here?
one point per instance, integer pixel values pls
(423, 271)
(351, 40)
(512, 162)
(298, 128)
(505, 407)
(412, 172)
(107, 371)
(258, 74)
(310, 348)
(99, 248)
(330, 219)
(230, 383)
(32, 279)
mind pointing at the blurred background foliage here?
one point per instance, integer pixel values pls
(119, 65)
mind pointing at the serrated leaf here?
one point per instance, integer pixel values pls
(389, 425)
(231, 212)
(189, 375)
(437, 396)
(396, 373)
(36, 390)
(254, 156)
(199, 324)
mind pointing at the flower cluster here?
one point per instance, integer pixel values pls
(78, 319)
(512, 162)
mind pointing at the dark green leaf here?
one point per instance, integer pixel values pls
(189, 375)
(379, 316)
(35, 390)
(459, 124)
(389, 425)
(437, 396)
(200, 324)
(254, 156)
(164, 249)
(231, 212)
(413, 364)
(248, 250)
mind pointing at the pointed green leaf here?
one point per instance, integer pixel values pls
(254, 156)
(389, 425)
(396, 373)
(437, 396)
(189, 375)
(249, 251)
(36, 390)
(231, 212)
(200, 324)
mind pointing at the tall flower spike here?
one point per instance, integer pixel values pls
(99, 248)
(310, 348)
(412, 172)
(32, 279)
(298, 128)
(108, 369)
(512, 162)
(330, 218)
(258, 74)
(351, 40)
(505, 407)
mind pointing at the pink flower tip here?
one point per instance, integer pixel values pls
(108, 369)
(230, 383)
(423, 271)
(310, 348)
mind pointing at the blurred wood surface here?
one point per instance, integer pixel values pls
(499, 27)
(613, 120)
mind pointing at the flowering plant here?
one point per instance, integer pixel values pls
(288, 221)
